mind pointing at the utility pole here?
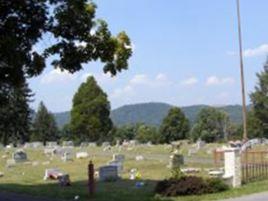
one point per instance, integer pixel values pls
(245, 136)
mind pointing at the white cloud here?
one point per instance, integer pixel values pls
(141, 80)
(190, 81)
(102, 78)
(57, 75)
(161, 77)
(258, 51)
(123, 92)
(252, 52)
(214, 80)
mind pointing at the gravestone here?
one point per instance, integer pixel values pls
(139, 158)
(133, 142)
(60, 151)
(67, 156)
(176, 161)
(108, 148)
(51, 144)
(117, 144)
(19, 156)
(119, 157)
(105, 144)
(84, 144)
(50, 151)
(118, 165)
(82, 155)
(27, 145)
(37, 145)
(92, 144)
(108, 173)
(9, 146)
(64, 180)
(67, 144)
(53, 173)
(200, 144)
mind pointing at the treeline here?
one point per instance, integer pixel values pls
(90, 120)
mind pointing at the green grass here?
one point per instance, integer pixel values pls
(28, 179)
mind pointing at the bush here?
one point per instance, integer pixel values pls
(189, 185)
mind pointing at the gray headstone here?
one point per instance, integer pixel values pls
(108, 173)
(176, 161)
(51, 144)
(67, 156)
(67, 144)
(19, 156)
(118, 165)
(119, 157)
(84, 144)
(105, 144)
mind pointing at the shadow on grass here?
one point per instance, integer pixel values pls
(121, 190)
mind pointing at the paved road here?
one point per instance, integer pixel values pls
(254, 197)
(16, 197)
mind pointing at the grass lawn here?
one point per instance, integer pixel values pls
(28, 178)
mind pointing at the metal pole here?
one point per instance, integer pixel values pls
(245, 136)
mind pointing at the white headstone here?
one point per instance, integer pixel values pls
(82, 155)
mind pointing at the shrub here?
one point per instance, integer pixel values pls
(217, 185)
(189, 185)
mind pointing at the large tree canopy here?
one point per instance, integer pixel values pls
(259, 100)
(175, 126)
(212, 124)
(90, 115)
(77, 38)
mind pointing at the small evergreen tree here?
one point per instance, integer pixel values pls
(175, 126)
(90, 114)
(44, 126)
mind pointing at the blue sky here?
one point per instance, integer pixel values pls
(185, 53)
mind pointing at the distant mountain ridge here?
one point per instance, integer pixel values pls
(153, 113)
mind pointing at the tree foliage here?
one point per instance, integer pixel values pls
(175, 126)
(146, 134)
(259, 99)
(126, 132)
(90, 114)
(211, 125)
(15, 113)
(76, 37)
(44, 126)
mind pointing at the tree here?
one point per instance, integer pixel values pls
(76, 37)
(44, 125)
(175, 126)
(259, 99)
(212, 124)
(126, 132)
(90, 114)
(15, 113)
(148, 134)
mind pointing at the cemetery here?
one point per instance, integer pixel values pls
(180, 125)
(117, 170)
